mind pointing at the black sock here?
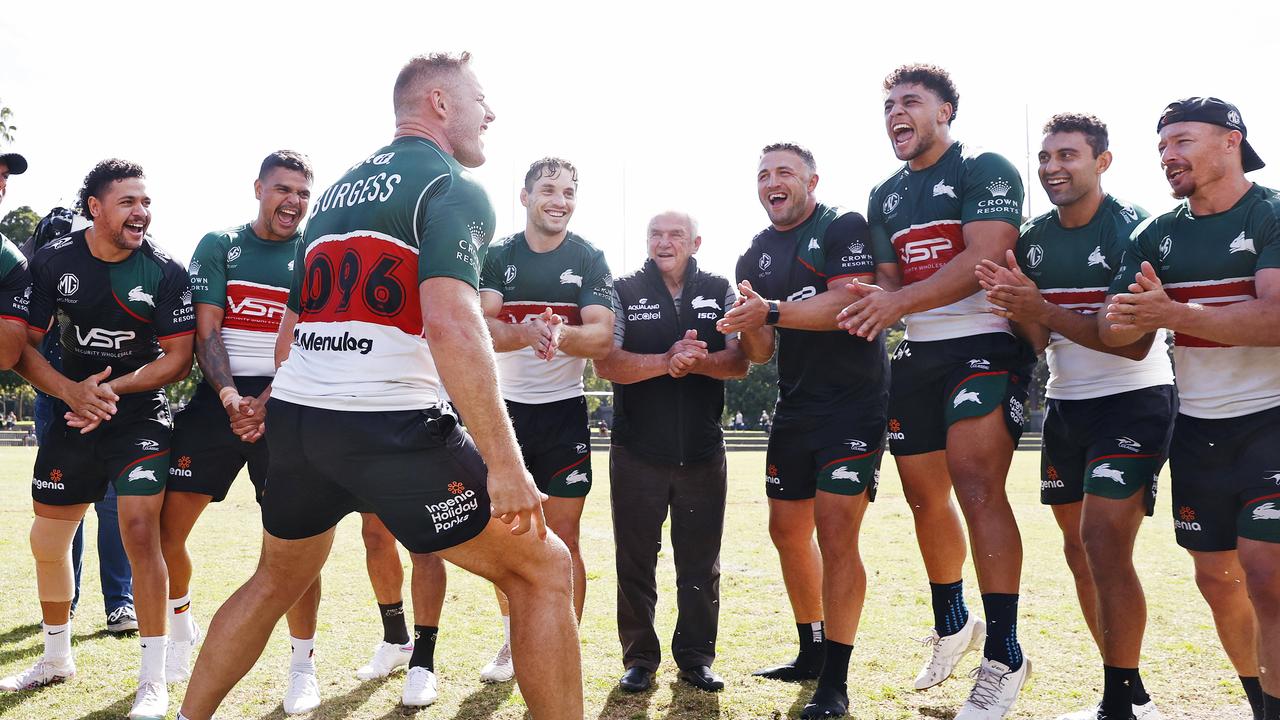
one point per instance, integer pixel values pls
(393, 629)
(1117, 691)
(424, 647)
(949, 611)
(1002, 629)
(1270, 707)
(812, 639)
(1253, 690)
(1140, 696)
(835, 667)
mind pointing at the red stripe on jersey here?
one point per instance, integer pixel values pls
(254, 307)
(812, 269)
(1075, 297)
(365, 279)
(1187, 292)
(124, 307)
(923, 250)
(519, 312)
(1185, 340)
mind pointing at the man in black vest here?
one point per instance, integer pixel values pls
(668, 369)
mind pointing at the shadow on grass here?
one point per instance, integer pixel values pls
(621, 704)
(11, 700)
(19, 633)
(480, 704)
(342, 704)
(12, 640)
(115, 710)
(943, 713)
(802, 698)
(688, 701)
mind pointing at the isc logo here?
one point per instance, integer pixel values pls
(99, 338)
(253, 307)
(924, 250)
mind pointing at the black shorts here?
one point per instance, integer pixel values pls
(131, 451)
(1226, 480)
(556, 444)
(841, 456)
(205, 456)
(416, 469)
(1110, 446)
(938, 383)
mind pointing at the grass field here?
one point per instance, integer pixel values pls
(1184, 667)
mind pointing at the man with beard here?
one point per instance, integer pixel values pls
(385, 328)
(125, 317)
(1209, 270)
(824, 452)
(548, 300)
(959, 376)
(1110, 410)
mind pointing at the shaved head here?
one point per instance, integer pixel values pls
(425, 73)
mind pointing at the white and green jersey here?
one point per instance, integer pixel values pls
(405, 214)
(1212, 260)
(1074, 267)
(566, 279)
(248, 278)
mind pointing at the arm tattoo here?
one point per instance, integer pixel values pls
(214, 363)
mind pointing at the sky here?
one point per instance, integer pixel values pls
(662, 105)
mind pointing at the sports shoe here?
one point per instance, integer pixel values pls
(798, 670)
(827, 702)
(500, 669)
(122, 620)
(386, 658)
(948, 650)
(177, 657)
(303, 693)
(419, 688)
(995, 688)
(46, 671)
(1147, 711)
(151, 701)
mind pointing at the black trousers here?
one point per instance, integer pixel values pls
(641, 492)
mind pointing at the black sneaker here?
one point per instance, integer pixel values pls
(122, 620)
(827, 702)
(797, 670)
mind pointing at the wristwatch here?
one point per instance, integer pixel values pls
(772, 317)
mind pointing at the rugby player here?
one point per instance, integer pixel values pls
(547, 297)
(1110, 410)
(125, 315)
(823, 459)
(15, 278)
(959, 376)
(385, 324)
(1209, 270)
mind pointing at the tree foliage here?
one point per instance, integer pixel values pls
(7, 128)
(19, 224)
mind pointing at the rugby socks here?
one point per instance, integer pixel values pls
(304, 655)
(1117, 690)
(57, 641)
(835, 668)
(424, 647)
(1270, 707)
(1253, 691)
(1140, 696)
(393, 628)
(152, 658)
(181, 627)
(949, 611)
(1002, 629)
(812, 641)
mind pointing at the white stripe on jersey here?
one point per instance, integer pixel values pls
(922, 226)
(339, 237)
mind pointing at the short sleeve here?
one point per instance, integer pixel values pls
(992, 190)
(41, 308)
(597, 285)
(1269, 242)
(847, 248)
(174, 314)
(299, 272)
(15, 283)
(454, 231)
(208, 271)
(1142, 246)
(742, 271)
(491, 274)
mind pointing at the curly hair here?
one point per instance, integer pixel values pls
(932, 77)
(101, 177)
(1093, 129)
(549, 167)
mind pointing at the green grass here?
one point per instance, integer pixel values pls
(1184, 667)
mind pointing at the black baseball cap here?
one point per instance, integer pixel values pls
(16, 163)
(1215, 112)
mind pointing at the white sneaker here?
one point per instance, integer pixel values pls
(1149, 711)
(386, 658)
(500, 669)
(46, 671)
(303, 694)
(177, 657)
(419, 688)
(995, 688)
(151, 702)
(948, 650)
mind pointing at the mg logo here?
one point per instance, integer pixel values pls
(99, 338)
(68, 284)
(924, 250)
(253, 307)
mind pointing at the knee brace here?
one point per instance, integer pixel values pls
(51, 547)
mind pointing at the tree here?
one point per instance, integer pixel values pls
(7, 128)
(756, 392)
(19, 224)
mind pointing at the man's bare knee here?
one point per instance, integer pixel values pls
(548, 567)
(1217, 586)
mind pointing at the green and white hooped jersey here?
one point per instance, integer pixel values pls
(1212, 260)
(1074, 267)
(248, 278)
(567, 279)
(405, 214)
(919, 216)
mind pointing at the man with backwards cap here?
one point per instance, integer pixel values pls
(15, 280)
(1209, 270)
